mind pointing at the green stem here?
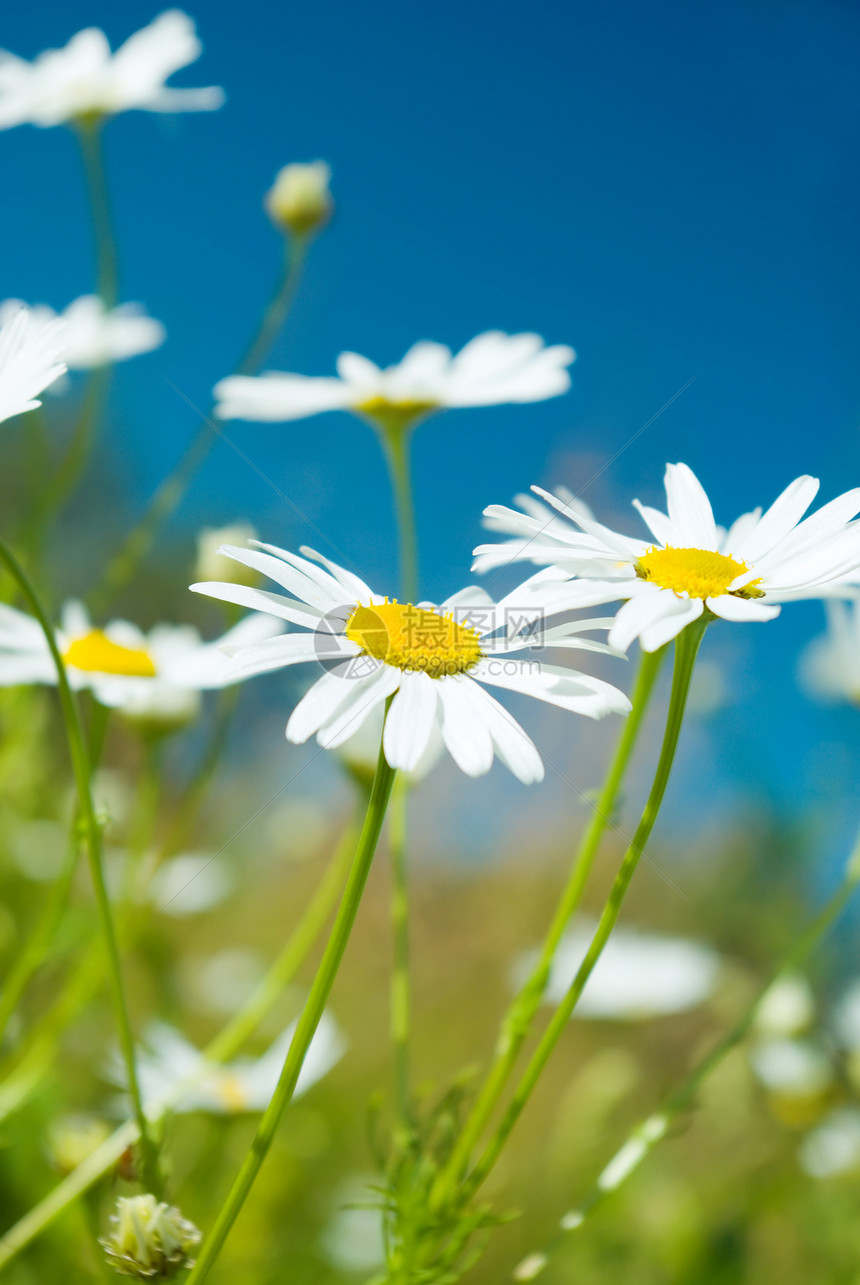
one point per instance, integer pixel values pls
(400, 989)
(520, 1016)
(307, 1023)
(90, 138)
(642, 1140)
(222, 1048)
(93, 837)
(686, 648)
(170, 491)
(396, 447)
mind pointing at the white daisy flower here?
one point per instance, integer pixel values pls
(85, 79)
(639, 975)
(690, 565)
(31, 358)
(432, 660)
(153, 677)
(94, 335)
(176, 1076)
(492, 369)
(830, 665)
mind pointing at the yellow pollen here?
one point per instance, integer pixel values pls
(97, 654)
(701, 573)
(411, 638)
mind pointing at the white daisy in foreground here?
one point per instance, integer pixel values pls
(432, 660)
(175, 1076)
(155, 677)
(85, 80)
(639, 974)
(31, 358)
(492, 369)
(690, 565)
(830, 665)
(94, 335)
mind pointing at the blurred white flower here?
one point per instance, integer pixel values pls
(492, 369)
(352, 1240)
(222, 982)
(94, 335)
(190, 883)
(830, 665)
(791, 1067)
(84, 79)
(639, 975)
(689, 565)
(787, 1008)
(434, 662)
(31, 358)
(834, 1146)
(299, 198)
(214, 565)
(152, 677)
(847, 1017)
(175, 1076)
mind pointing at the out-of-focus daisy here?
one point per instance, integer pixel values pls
(691, 565)
(94, 335)
(175, 1076)
(787, 1009)
(834, 1146)
(31, 358)
(639, 975)
(353, 1239)
(155, 676)
(85, 80)
(212, 565)
(791, 1068)
(432, 659)
(190, 883)
(299, 200)
(830, 665)
(492, 369)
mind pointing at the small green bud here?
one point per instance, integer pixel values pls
(299, 201)
(149, 1239)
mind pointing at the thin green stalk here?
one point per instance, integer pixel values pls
(222, 1048)
(396, 447)
(307, 1023)
(520, 1016)
(107, 267)
(93, 836)
(54, 492)
(642, 1140)
(686, 649)
(169, 493)
(400, 989)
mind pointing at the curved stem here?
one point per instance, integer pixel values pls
(686, 648)
(518, 1020)
(642, 1140)
(93, 839)
(307, 1023)
(396, 447)
(222, 1048)
(170, 491)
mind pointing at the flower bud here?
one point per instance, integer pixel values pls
(212, 565)
(299, 201)
(149, 1239)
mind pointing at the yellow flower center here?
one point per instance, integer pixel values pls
(411, 638)
(96, 653)
(701, 573)
(232, 1093)
(395, 416)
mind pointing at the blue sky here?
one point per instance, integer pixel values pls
(671, 188)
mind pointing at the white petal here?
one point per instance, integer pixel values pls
(655, 636)
(319, 704)
(410, 721)
(644, 610)
(729, 607)
(260, 600)
(512, 745)
(690, 512)
(467, 739)
(370, 692)
(781, 518)
(271, 398)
